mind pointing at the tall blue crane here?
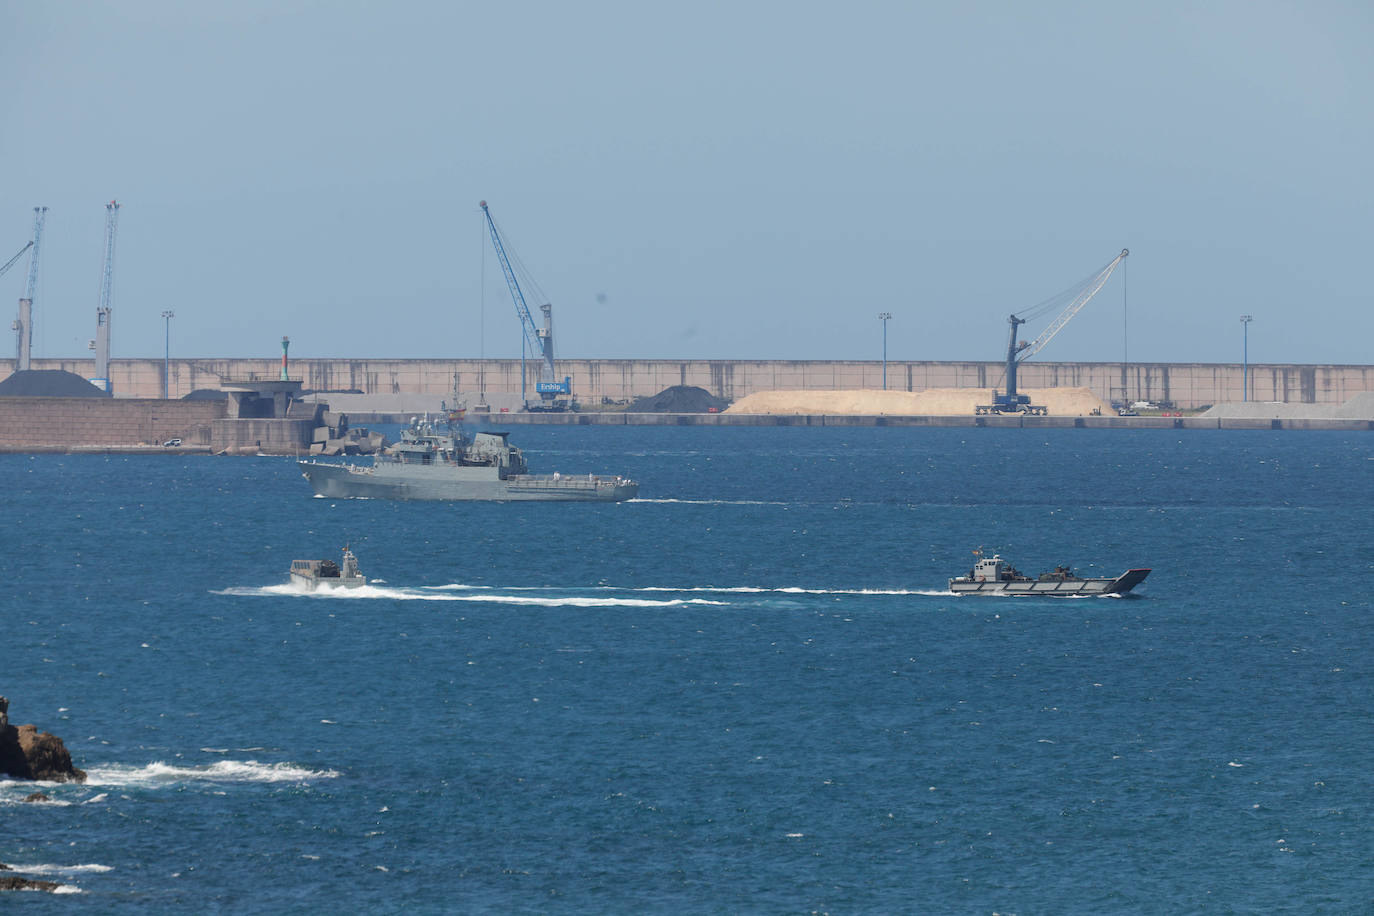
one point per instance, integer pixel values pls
(536, 339)
(1078, 296)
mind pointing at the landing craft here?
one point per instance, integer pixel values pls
(995, 576)
(311, 574)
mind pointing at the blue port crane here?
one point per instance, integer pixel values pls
(554, 394)
(1077, 296)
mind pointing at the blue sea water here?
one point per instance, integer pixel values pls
(746, 692)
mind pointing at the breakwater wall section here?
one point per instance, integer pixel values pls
(93, 422)
(139, 424)
(993, 421)
(1183, 385)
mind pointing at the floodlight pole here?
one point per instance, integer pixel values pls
(884, 317)
(167, 317)
(1245, 358)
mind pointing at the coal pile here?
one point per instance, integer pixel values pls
(49, 383)
(679, 399)
(206, 394)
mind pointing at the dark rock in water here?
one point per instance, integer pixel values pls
(27, 753)
(49, 383)
(679, 399)
(36, 797)
(15, 883)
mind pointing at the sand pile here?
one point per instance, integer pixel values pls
(932, 402)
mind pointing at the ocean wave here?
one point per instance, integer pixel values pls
(231, 771)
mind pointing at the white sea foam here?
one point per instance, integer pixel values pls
(725, 590)
(436, 594)
(67, 889)
(222, 771)
(710, 502)
(60, 869)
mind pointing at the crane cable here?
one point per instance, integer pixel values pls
(1046, 306)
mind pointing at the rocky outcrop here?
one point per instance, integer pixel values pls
(15, 883)
(27, 753)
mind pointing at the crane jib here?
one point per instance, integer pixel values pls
(1090, 289)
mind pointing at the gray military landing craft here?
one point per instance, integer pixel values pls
(445, 463)
(311, 574)
(995, 576)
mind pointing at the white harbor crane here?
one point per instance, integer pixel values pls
(101, 344)
(1011, 401)
(21, 324)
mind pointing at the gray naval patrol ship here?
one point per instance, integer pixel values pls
(995, 576)
(445, 463)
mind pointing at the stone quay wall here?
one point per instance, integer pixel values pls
(1184, 385)
(86, 422)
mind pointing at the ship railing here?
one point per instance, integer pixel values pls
(564, 481)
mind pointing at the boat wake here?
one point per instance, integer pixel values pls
(481, 596)
(159, 774)
(722, 590)
(710, 502)
(601, 596)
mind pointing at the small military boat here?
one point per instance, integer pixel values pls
(995, 576)
(311, 574)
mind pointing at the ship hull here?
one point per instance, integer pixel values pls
(1062, 588)
(447, 483)
(312, 583)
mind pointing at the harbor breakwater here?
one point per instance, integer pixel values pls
(140, 426)
(595, 382)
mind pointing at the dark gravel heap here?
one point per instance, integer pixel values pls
(49, 383)
(679, 399)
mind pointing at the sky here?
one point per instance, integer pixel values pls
(710, 180)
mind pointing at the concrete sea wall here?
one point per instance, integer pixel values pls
(1184, 385)
(87, 422)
